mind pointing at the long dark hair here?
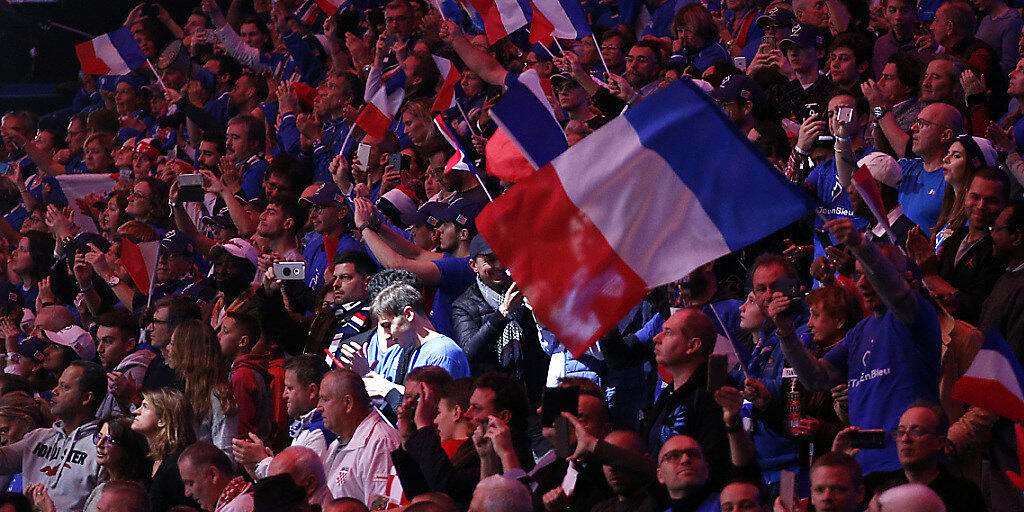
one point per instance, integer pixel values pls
(132, 464)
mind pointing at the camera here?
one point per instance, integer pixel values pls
(190, 188)
(290, 270)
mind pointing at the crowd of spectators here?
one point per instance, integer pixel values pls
(325, 329)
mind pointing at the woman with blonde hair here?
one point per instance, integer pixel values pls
(165, 419)
(194, 355)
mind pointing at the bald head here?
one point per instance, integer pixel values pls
(936, 126)
(302, 464)
(345, 505)
(910, 498)
(948, 116)
(347, 382)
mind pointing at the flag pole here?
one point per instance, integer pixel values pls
(464, 116)
(559, 46)
(158, 79)
(549, 51)
(599, 54)
(480, 180)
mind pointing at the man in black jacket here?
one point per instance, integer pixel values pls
(494, 326)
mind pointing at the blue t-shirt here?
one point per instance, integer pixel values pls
(833, 201)
(456, 277)
(889, 365)
(921, 192)
(437, 350)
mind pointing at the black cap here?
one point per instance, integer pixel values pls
(478, 246)
(777, 16)
(82, 241)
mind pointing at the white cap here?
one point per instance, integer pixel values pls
(883, 168)
(75, 337)
(242, 249)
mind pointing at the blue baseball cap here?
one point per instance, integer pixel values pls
(327, 193)
(803, 36)
(175, 242)
(462, 212)
(736, 87)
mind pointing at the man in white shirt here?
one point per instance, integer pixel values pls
(358, 463)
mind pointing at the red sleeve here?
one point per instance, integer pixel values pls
(246, 390)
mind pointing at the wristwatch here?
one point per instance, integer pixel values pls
(879, 112)
(114, 281)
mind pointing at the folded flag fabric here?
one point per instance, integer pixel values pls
(994, 381)
(330, 7)
(868, 190)
(450, 77)
(139, 260)
(458, 161)
(383, 103)
(525, 114)
(113, 53)
(501, 17)
(658, 191)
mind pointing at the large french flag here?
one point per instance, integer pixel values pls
(994, 381)
(458, 161)
(658, 191)
(113, 53)
(446, 94)
(563, 19)
(527, 117)
(383, 104)
(501, 17)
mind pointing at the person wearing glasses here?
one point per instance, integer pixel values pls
(121, 453)
(920, 442)
(147, 202)
(923, 184)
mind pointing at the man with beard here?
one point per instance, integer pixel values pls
(494, 326)
(331, 217)
(242, 145)
(117, 334)
(334, 94)
(234, 268)
(643, 67)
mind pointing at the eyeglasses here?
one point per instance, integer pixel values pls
(98, 440)
(924, 123)
(139, 194)
(675, 456)
(912, 433)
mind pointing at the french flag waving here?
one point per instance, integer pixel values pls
(446, 94)
(114, 53)
(526, 116)
(501, 17)
(458, 161)
(563, 19)
(140, 260)
(994, 381)
(382, 101)
(658, 191)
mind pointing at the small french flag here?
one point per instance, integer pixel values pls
(525, 114)
(330, 7)
(994, 381)
(501, 17)
(113, 53)
(383, 103)
(868, 190)
(139, 260)
(446, 94)
(563, 19)
(458, 161)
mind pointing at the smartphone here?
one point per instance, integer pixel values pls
(844, 114)
(363, 156)
(5, 168)
(811, 109)
(400, 161)
(789, 287)
(769, 39)
(718, 371)
(190, 188)
(556, 401)
(787, 489)
(561, 441)
(869, 439)
(290, 270)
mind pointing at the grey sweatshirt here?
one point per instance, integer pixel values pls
(64, 463)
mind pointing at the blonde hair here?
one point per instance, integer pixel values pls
(173, 411)
(201, 367)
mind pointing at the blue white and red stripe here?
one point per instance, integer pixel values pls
(501, 17)
(563, 19)
(526, 115)
(446, 96)
(330, 7)
(458, 161)
(113, 53)
(382, 104)
(994, 381)
(308, 12)
(658, 191)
